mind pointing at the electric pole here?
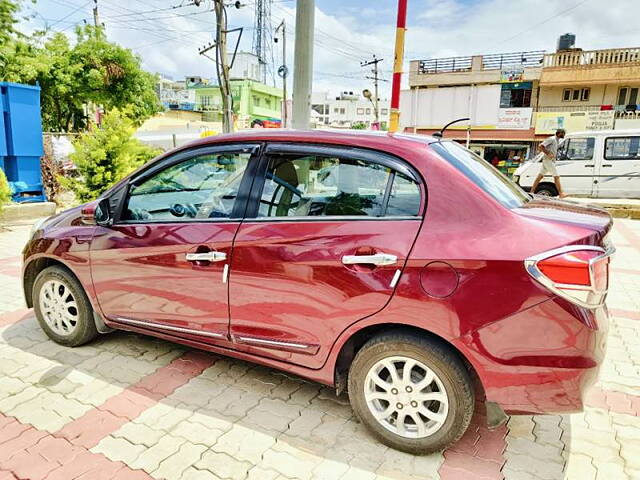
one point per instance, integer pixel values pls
(96, 17)
(222, 66)
(376, 80)
(283, 71)
(303, 63)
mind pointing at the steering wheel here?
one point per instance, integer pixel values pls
(183, 210)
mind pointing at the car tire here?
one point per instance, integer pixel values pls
(62, 307)
(450, 395)
(547, 191)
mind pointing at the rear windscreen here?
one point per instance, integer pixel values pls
(483, 174)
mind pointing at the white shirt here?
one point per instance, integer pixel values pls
(551, 144)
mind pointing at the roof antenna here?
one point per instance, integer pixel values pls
(440, 134)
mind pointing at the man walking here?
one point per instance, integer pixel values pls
(549, 149)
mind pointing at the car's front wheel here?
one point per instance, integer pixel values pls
(62, 307)
(413, 393)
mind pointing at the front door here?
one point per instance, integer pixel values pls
(576, 165)
(163, 264)
(331, 232)
(619, 174)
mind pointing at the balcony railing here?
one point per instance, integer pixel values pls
(614, 56)
(489, 62)
(445, 65)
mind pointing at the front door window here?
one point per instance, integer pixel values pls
(202, 187)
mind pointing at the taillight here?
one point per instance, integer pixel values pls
(578, 273)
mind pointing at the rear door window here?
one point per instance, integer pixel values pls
(622, 148)
(336, 186)
(483, 174)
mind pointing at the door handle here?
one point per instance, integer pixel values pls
(206, 257)
(377, 259)
(590, 165)
(607, 165)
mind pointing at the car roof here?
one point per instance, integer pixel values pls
(592, 133)
(339, 137)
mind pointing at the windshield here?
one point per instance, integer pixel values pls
(483, 174)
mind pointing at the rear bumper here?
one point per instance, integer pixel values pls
(541, 360)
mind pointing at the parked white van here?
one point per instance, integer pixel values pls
(599, 164)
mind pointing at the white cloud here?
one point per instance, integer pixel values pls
(436, 28)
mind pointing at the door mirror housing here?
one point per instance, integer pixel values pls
(103, 213)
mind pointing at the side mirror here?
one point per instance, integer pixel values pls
(103, 213)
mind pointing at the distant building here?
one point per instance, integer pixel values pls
(251, 100)
(347, 110)
(246, 66)
(515, 100)
(175, 95)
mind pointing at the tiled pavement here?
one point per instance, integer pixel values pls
(133, 407)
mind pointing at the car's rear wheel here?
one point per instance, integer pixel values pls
(413, 393)
(62, 307)
(547, 191)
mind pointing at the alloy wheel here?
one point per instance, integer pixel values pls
(406, 397)
(59, 307)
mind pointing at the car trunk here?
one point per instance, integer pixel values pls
(595, 219)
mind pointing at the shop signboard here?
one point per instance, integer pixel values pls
(549, 122)
(514, 118)
(512, 75)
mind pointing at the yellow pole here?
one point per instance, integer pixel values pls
(398, 60)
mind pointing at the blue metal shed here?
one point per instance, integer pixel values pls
(21, 140)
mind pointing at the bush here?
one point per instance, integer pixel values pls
(5, 191)
(105, 155)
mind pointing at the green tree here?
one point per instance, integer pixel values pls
(90, 72)
(105, 155)
(5, 191)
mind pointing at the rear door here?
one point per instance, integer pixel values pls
(330, 234)
(576, 165)
(163, 263)
(619, 172)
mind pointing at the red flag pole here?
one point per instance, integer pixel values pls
(401, 27)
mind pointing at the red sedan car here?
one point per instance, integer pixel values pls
(404, 269)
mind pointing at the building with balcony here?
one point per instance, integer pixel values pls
(514, 100)
(251, 100)
(347, 110)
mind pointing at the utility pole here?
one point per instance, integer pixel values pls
(283, 71)
(222, 66)
(303, 63)
(398, 60)
(376, 99)
(96, 17)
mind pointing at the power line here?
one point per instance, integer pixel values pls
(533, 27)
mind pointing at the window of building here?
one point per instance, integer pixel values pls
(385, 111)
(368, 111)
(342, 111)
(267, 102)
(360, 111)
(516, 95)
(628, 96)
(336, 110)
(576, 94)
(256, 101)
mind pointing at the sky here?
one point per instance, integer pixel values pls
(347, 32)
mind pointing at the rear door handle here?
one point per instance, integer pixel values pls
(206, 257)
(377, 259)
(607, 165)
